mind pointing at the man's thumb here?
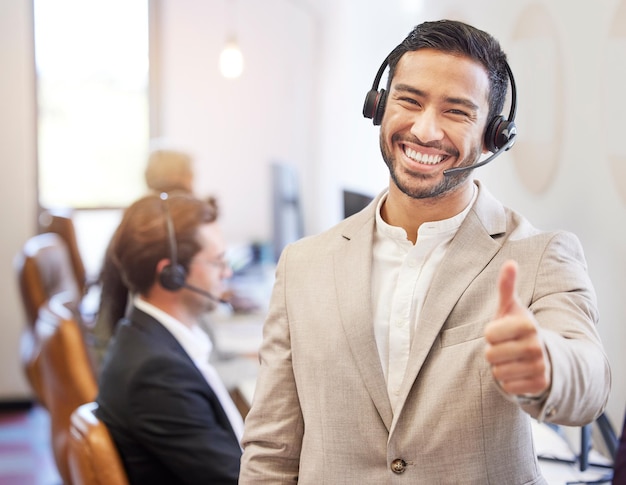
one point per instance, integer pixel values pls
(506, 287)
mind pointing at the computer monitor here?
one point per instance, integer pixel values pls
(287, 219)
(354, 201)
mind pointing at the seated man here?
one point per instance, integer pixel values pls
(169, 413)
(167, 170)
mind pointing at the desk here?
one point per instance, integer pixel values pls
(237, 334)
(237, 339)
(563, 473)
(555, 452)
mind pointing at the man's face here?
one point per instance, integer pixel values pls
(208, 268)
(434, 119)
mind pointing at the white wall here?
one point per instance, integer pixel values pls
(236, 128)
(309, 64)
(17, 184)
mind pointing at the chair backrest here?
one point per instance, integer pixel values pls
(93, 457)
(64, 372)
(60, 222)
(44, 269)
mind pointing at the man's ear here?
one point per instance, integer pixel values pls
(160, 265)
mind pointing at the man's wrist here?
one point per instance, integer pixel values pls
(530, 399)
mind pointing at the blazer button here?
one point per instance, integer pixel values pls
(398, 465)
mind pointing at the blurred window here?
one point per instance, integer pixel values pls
(91, 60)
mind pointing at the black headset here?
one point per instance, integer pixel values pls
(500, 132)
(174, 275)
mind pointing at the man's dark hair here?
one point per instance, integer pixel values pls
(458, 38)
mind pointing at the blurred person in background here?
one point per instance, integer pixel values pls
(170, 415)
(168, 170)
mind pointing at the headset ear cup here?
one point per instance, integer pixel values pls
(369, 107)
(505, 132)
(498, 133)
(380, 107)
(172, 277)
(491, 133)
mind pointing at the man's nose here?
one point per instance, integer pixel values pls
(427, 126)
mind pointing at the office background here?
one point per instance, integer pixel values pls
(308, 66)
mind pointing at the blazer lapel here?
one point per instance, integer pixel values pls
(353, 268)
(470, 250)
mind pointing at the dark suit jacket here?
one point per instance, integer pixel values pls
(165, 419)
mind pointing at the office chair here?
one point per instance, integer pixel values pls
(60, 222)
(64, 371)
(44, 268)
(93, 457)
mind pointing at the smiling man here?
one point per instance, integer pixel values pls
(414, 341)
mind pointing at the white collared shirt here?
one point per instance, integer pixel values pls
(197, 344)
(401, 276)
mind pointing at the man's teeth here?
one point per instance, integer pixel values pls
(422, 157)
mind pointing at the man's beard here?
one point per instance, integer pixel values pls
(425, 191)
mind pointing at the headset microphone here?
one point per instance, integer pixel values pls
(508, 145)
(173, 276)
(195, 289)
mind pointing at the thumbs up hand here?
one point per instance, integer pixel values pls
(518, 357)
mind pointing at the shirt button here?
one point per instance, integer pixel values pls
(398, 465)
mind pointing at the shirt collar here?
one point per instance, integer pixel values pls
(433, 228)
(194, 340)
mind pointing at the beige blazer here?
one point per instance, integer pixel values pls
(321, 413)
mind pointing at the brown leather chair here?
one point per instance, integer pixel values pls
(93, 457)
(64, 371)
(60, 222)
(43, 269)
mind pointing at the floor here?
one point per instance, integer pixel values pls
(25, 454)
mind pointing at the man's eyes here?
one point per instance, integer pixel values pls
(458, 112)
(409, 101)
